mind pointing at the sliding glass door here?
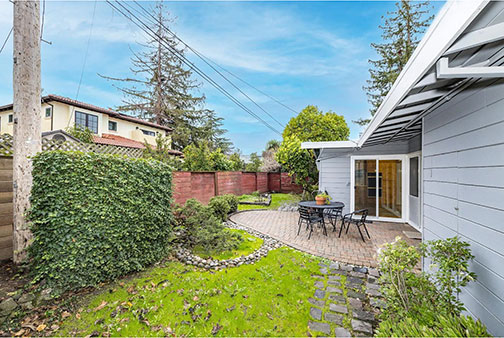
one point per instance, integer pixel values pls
(378, 187)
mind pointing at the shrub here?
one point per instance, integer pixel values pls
(200, 227)
(83, 134)
(441, 326)
(96, 217)
(223, 205)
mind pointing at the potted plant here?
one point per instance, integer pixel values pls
(322, 198)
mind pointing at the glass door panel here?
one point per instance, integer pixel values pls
(365, 185)
(390, 199)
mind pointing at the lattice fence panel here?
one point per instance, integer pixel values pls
(6, 147)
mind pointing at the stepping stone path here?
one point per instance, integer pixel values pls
(345, 302)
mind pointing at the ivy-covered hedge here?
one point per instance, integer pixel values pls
(96, 217)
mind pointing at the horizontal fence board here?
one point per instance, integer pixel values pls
(5, 230)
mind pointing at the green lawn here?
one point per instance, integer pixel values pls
(268, 298)
(250, 244)
(276, 201)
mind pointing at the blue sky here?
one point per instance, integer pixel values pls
(299, 52)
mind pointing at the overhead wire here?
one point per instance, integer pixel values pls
(144, 27)
(207, 61)
(7, 39)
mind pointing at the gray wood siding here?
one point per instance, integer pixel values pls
(463, 195)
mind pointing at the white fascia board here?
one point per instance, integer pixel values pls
(453, 19)
(328, 145)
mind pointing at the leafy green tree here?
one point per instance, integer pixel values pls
(163, 90)
(310, 125)
(201, 158)
(402, 31)
(162, 152)
(254, 164)
(83, 134)
(237, 163)
(269, 162)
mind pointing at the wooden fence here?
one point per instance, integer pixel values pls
(205, 185)
(6, 208)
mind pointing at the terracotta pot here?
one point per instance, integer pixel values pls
(320, 200)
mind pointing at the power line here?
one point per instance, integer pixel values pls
(7, 39)
(87, 50)
(207, 60)
(144, 27)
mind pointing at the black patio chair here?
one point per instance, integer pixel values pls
(359, 219)
(333, 215)
(306, 215)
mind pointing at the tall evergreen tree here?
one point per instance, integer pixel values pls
(402, 31)
(163, 91)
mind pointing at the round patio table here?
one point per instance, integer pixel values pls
(320, 209)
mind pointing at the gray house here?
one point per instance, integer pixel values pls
(433, 155)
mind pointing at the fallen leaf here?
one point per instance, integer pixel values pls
(101, 306)
(131, 290)
(41, 327)
(65, 314)
(19, 333)
(78, 316)
(195, 298)
(121, 283)
(124, 320)
(55, 327)
(216, 328)
(208, 315)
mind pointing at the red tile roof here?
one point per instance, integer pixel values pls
(116, 140)
(62, 99)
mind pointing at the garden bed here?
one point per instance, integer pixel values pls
(255, 200)
(277, 200)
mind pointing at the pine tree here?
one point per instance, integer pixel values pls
(402, 31)
(163, 91)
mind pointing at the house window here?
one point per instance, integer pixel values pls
(413, 178)
(86, 121)
(148, 132)
(11, 118)
(112, 125)
(48, 112)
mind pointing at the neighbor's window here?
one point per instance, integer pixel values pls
(413, 179)
(48, 112)
(86, 121)
(148, 132)
(112, 125)
(11, 118)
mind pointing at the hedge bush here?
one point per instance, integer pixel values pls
(223, 205)
(96, 217)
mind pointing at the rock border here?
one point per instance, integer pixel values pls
(185, 256)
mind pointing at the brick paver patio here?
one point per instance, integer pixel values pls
(350, 248)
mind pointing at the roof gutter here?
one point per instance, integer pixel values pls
(454, 18)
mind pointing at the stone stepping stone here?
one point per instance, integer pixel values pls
(334, 266)
(318, 276)
(338, 308)
(374, 273)
(363, 315)
(341, 332)
(337, 298)
(360, 269)
(357, 274)
(316, 302)
(372, 286)
(331, 289)
(334, 318)
(377, 303)
(345, 267)
(322, 265)
(354, 280)
(334, 282)
(319, 284)
(374, 292)
(334, 278)
(323, 271)
(321, 327)
(360, 326)
(319, 294)
(355, 303)
(316, 313)
(354, 294)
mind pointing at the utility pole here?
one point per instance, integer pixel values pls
(27, 124)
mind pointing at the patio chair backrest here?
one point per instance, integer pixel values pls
(363, 213)
(304, 212)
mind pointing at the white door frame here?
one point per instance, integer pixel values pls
(404, 184)
(419, 198)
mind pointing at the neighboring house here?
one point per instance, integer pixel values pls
(433, 155)
(109, 127)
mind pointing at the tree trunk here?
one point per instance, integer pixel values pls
(27, 111)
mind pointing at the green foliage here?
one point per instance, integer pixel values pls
(254, 164)
(237, 164)
(83, 134)
(269, 162)
(313, 125)
(223, 205)
(425, 304)
(95, 217)
(401, 34)
(201, 158)
(161, 152)
(442, 326)
(200, 226)
(450, 262)
(248, 245)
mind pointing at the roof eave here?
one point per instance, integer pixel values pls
(453, 19)
(329, 145)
